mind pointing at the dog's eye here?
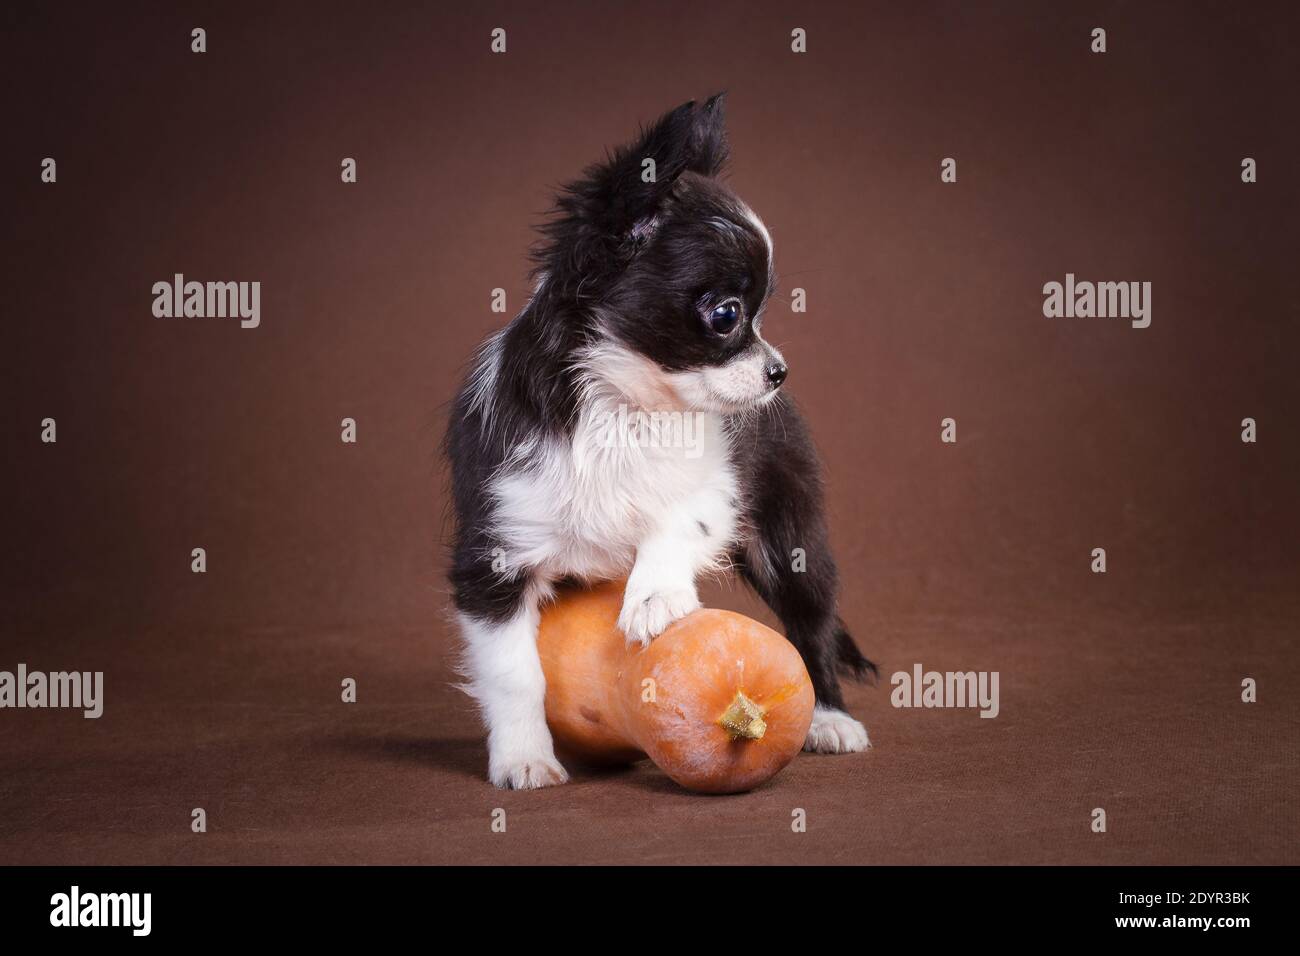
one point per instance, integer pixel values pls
(724, 317)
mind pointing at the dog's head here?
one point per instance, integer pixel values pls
(669, 269)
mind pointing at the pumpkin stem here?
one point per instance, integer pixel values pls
(744, 718)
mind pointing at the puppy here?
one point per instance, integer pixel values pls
(630, 422)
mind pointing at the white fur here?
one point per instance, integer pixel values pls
(738, 385)
(660, 590)
(835, 732)
(762, 230)
(590, 508)
(595, 509)
(505, 677)
(487, 365)
(483, 377)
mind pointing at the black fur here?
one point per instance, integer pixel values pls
(641, 262)
(785, 512)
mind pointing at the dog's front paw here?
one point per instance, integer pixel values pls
(647, 612)
(526, 772)
(835, 732)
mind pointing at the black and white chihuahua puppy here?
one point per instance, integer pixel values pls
(651, 281)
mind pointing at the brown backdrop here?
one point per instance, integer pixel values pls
(222, 690)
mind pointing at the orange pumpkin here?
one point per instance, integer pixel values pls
(718, 701)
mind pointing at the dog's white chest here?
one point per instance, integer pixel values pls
(583, 508)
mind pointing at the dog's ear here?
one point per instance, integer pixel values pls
(710, 147)
(640, 175)
(615, 205)
(690, 138)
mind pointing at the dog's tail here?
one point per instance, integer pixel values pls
(850, 659)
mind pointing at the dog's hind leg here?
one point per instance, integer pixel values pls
(787, 560)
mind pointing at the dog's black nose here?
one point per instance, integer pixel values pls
(776, 373)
